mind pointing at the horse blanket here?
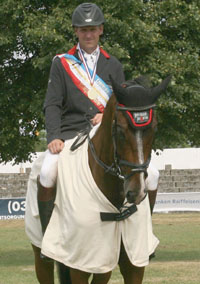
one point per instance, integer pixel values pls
(77, 237)
(33, 227)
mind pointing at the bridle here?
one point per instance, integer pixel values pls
(115, 167)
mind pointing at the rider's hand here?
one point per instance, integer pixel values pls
(56, 146)
(97, 118)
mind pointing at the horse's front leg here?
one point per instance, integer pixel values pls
(131, 274)
(102, 278)
(44, 270)
(79, 277)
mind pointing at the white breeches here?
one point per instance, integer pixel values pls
(49, 170)
(153, 178)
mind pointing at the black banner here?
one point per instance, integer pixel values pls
(12, 208)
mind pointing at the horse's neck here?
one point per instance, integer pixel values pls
(110, 185)
(103, 138)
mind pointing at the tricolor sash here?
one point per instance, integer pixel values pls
(98, 92)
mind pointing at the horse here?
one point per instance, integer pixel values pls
(119, 154)
(118, 158)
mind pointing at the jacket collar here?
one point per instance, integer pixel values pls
(73, 51)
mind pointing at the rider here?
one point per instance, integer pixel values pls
(71, 106)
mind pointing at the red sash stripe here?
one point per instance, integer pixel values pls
(78, 83)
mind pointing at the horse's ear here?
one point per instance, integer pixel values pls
(156, 91)
(118, 90)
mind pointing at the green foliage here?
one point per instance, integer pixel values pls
(156, 38)
(41, 145)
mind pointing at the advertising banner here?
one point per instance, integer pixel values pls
(180, 201)
(12, 208)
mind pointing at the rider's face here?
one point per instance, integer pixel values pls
(89, 37)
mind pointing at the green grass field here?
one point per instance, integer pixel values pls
(177, 257)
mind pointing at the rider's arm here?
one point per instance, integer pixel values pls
(53, 102)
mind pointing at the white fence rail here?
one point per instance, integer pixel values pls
(181, 158)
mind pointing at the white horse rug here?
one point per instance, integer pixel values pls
(77, 237)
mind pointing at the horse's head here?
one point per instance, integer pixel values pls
(133, 132)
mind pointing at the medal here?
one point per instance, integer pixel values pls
(91, 76)
(92, 95)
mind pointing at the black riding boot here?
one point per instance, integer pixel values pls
(152, 199)
(45, 198)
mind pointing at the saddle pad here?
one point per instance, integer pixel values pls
(77, 237)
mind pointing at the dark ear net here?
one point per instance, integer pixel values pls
(158, 90)
(142, 96)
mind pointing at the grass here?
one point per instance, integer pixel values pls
(177, 258)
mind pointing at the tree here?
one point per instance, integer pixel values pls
(156, 38)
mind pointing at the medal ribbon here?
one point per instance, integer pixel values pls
(76, 70)
(91, 77)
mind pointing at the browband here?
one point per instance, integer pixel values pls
(120, 107)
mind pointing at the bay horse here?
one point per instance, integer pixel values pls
(119, 155)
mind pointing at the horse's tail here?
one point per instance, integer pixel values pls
(63, 273)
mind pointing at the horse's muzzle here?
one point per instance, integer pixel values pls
(135, 198)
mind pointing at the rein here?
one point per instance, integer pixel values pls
(115, 168)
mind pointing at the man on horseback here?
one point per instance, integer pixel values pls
(67, 109)
(78, 80)
(71, 101)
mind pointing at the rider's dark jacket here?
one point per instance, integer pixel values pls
(67, 109)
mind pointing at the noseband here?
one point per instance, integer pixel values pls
(115, 168)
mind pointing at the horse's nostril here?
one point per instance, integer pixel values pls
(130, 196)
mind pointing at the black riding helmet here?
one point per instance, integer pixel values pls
(87, 14)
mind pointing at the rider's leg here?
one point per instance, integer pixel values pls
(44, 270)
(152, 199)
(47, 188)
(152, 185)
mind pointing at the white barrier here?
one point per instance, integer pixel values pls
(180, 158)
(181, 201)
